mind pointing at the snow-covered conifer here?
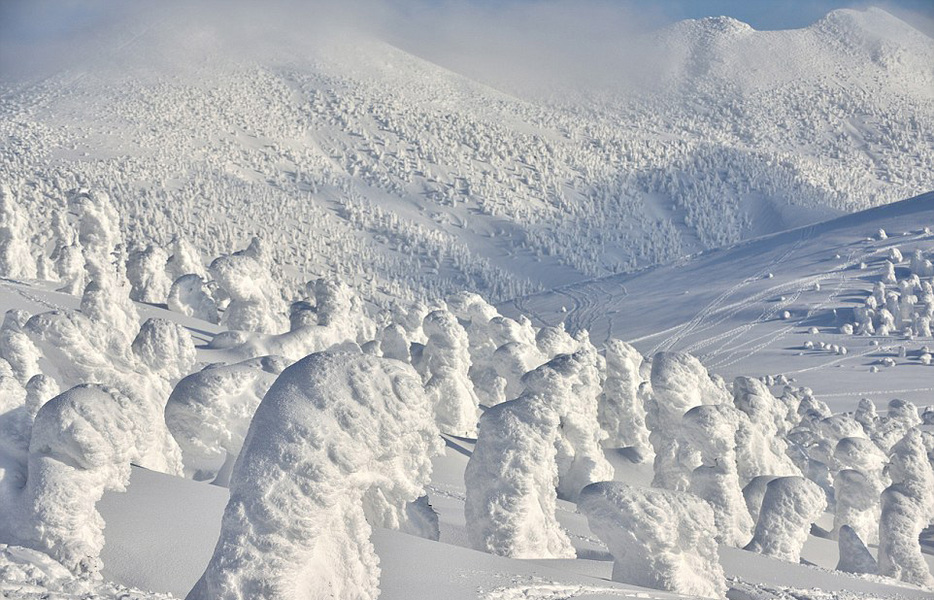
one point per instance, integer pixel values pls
(146, 270)
(761, 448)
(185, 259)
(711, 430)
(16, 260)
(511, 481)
(332, 430)
(621, 411)
(210, 410)
(16, 347)
(190, 296)
(789, 507)
(447, 359)
(255, 302)
(856, 504)
(554, 340)
(81, 445)
(572, 383)
(166, 348)
(658, 538)
(679, 383)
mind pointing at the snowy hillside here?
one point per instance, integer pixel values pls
(787, 304)
(300, 310)
(449, 450)
(350, 155)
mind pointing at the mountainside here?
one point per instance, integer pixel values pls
(351, 155)
(787, 304)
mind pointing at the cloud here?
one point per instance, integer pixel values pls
(512, 44)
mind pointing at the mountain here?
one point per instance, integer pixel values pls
(351, 155)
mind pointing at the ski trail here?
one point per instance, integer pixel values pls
(711, 308)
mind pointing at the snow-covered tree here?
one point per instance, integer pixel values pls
(80, 444)
(340, 443)
(166, 348)
(679, 382)
(146, 270)
(190, 296)
(711, 430)
(856, 504)
(789, 507)
(761, 447)
(16, 347)
(255, 302)
(185, 259)
(572, 383)
(621, 411)
(447, 358)
(209, 413)
(511, 481)
(658, 538)
(907, 508)
(16, 259)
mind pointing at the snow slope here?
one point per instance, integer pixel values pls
(161, 532)
(727, 306)
(350, 154)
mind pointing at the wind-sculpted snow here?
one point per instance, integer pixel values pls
(571, 384)
(340, 443)
(658, 538)
(511, 482)
(80, 444)
(27, 574)
(209, 413)
(789, 506)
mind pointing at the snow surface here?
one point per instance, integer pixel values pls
(725, 306)
(364, 184)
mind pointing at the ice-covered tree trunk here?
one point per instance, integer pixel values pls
(331, 428)
(658, 538)
(511, 481)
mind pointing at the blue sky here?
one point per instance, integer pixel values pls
(779, 14)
